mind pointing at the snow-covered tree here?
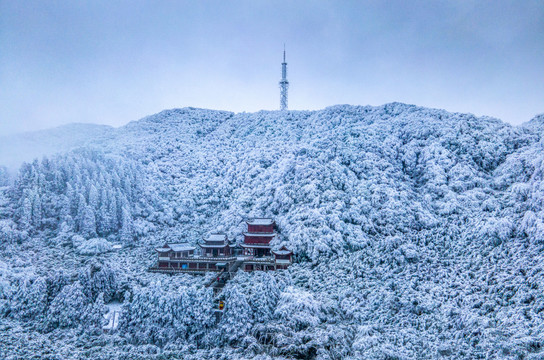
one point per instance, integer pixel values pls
(237, 317)
(68, 308)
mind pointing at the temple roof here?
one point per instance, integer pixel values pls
(181, 247)
(261, 234)
(260, 221)
(256, 246)
(216, 237)
(282, 251)
(221, 245)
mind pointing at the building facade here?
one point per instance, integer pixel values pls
(216, 245)
(215, 253)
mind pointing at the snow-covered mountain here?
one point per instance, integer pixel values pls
(27, 146)
(418, 233)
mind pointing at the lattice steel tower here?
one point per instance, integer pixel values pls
(284, 84)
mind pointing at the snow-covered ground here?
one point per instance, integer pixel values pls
(112, 316)
(417, 233)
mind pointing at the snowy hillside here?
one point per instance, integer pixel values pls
(417, 233)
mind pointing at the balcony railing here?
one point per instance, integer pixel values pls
(260, 260)
(207, 259)
(172, 270)
(280, 261)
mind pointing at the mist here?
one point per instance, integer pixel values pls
(110, 63)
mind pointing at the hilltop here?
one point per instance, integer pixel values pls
(418, 233)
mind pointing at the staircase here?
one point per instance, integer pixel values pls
(235, 266)
(218, 283)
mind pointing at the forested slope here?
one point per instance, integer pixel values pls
(418, 233)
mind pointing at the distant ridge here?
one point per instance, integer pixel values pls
(27, 146)
(15, 149)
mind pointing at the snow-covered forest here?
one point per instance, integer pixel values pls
(417, 234)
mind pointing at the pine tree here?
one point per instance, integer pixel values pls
(26, 216)
(81, 208)
(127, 227)
(68, 307)
(88, 225)
(31, 299)
(112, 217)
(264, 297)
(103, 220)
(237, 317)
(96, 312)
(37, 211)
(93, 198)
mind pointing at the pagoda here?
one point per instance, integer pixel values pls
(217, 254)
(260, 232)
(257, 250)
(174, 256)
(216, 245)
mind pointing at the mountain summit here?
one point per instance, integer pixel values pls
(417, 233)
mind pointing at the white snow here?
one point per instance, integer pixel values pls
(261, 221)
(416, 232)
(112, 317)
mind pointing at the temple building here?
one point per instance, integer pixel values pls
(215, 253)
(282, 258)
(216, 245)
(260, 232)
(172, 255)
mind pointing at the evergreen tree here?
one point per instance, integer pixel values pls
(37, 211)
(264, 297)
(26, 216)
(88, 224)
(237, 317)
(30, 301)
(81, 210)
(127, 227)
(68, 307)
(95, 314)
(93, 198)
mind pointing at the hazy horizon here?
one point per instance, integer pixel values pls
(102, 63)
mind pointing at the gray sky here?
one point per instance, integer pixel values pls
(110, 62)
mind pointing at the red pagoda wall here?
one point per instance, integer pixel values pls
(257, 239)
(260, 228)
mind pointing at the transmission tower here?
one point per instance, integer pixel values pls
(284, 84)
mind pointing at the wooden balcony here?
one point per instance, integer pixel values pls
(180, 271)
(200, 259)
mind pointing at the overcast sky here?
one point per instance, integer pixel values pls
(110, 62)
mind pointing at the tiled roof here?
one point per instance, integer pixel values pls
(282, 252)
(260, 221)
(260, 234)
(216, 237)
(257, 246)
(221, 245)
(181, 247)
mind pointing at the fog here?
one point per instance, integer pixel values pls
(110, 63)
